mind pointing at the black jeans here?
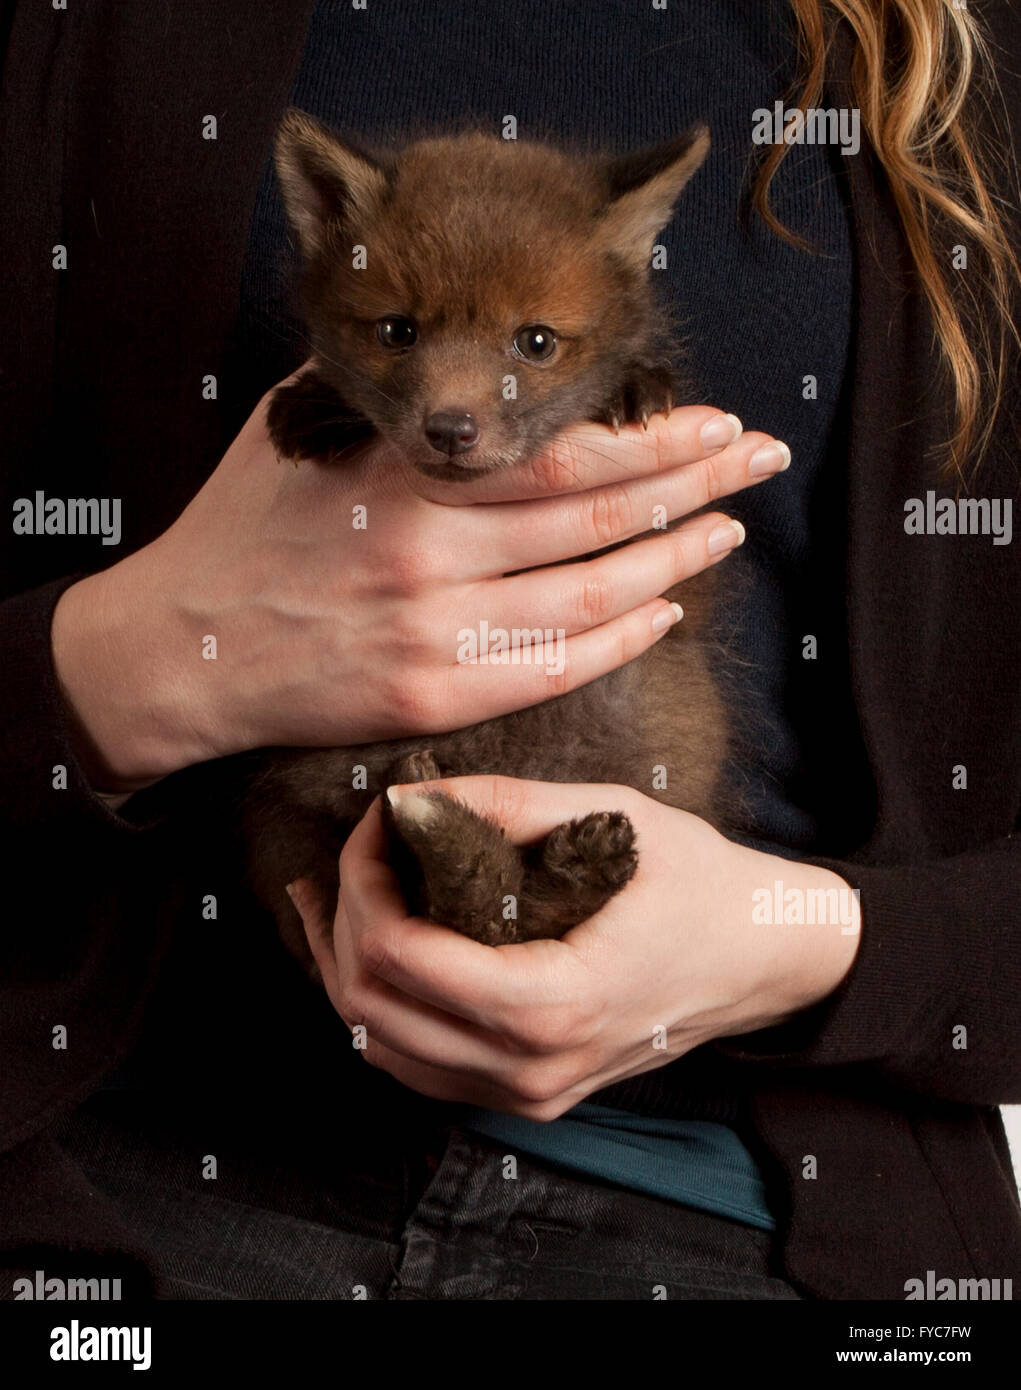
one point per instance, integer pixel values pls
(423, 1211)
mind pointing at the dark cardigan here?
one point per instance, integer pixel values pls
(101, 377)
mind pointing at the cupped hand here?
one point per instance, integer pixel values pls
(686, 953)
(317, 605)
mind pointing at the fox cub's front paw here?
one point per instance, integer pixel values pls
(644, 392)
(306, 419)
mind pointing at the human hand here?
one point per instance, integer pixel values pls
(335, 594)
(681, 956)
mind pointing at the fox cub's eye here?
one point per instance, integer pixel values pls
(535, 343)
(396, 332)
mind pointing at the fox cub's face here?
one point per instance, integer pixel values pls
(472, 296)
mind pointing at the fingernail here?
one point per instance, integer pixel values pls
(771, 458)
(393, 795)
(289, 890)
(666, 617)
(720, 431)
(727, 536)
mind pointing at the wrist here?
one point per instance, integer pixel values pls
(818, 934)
(129, 713)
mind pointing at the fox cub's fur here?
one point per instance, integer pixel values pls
(485, 260)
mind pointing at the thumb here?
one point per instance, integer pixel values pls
(525, 810)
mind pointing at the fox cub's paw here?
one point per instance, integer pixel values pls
(645, 391)
(458, 868)
(306, 419)
(576, 870)
(597, 852)
(415, 767)
(455, 866)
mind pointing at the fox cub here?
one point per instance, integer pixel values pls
(484, 261)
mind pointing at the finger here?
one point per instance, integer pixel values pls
(468, 1090)
(588, 455)
(440, 1084)
(525, 810)
(369, 895)
(584, 595)
(365, 863)
(382, 933)
(547, 529)
(318, 933)
(511, 1096)
(391, 1019)
(623, 1066)
(432, 963)
(399, 1023)
(512, 992)
(424, 1033)
(515, 679)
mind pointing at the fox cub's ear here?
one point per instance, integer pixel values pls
(322, 179)
(642, 189)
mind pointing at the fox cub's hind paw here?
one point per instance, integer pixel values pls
(645, 391)
(459, 869)
(455, 866)
(597, 851)
(576, 870)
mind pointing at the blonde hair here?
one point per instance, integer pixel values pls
(919, 68)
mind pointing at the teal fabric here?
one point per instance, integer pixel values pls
(693, 1162)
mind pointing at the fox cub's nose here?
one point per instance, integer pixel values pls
(450, 433)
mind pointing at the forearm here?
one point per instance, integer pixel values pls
(126, 676)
